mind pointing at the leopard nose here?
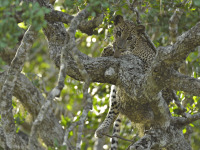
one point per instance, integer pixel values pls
(121, 44)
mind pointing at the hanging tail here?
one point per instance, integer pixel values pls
(116, 132)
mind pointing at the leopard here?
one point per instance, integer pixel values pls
(129, 39)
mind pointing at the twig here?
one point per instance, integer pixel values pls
(176, 99)
(130, 146)
(134, 9)
(132, 141)
(72, 126)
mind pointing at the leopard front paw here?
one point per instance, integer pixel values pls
(107, 51)
(101, 131)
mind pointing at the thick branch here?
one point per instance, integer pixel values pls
(185, 83)
(185, 44)
(162, 137)
(97, 68)
(58, 16)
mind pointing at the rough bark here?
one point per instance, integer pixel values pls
(140, 93)
(14, 141)
(32, 99)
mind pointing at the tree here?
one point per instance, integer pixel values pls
(44, 107)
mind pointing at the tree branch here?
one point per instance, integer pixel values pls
(97, 68)
(173, 24)
(34, 129)
(185, 44)
(45, 108)
(32, 100)
(13, 141)
(3, 144)
(144, 143)
(72, 47)
(54, 93)
(57, 16)
(85, 26)
(183, 121)
(177, 102)
(162, 137)
(174, 20)
(180, 82)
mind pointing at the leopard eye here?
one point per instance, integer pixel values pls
(118, 33)
(129, 38)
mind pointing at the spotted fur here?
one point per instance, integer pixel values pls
(112, 113)
(108, 51)
(116, 132)
(129, 39)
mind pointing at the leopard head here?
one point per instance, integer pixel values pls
(125, 34)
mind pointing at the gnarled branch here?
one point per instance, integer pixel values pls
(185, 83)
(185, 44)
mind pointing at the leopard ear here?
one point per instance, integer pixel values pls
(118, 19)
(141, 28)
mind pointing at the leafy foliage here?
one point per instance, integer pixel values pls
(9, 30)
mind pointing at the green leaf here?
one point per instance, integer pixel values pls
(192, 125)
(184, 131)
